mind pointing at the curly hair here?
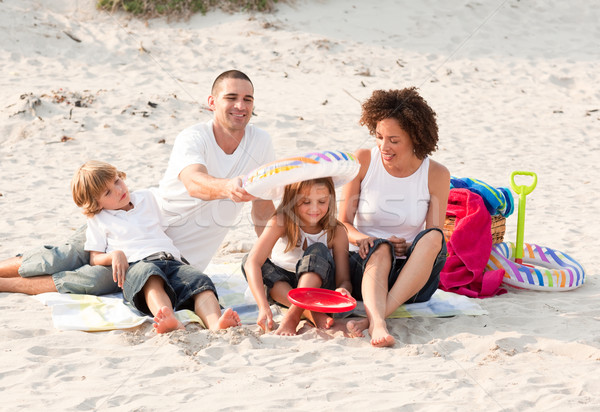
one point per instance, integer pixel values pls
(412, 113)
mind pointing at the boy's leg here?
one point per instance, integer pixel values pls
(207, 307)
(160, 305)
(195, 290)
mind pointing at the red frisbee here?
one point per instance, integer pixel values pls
(321, 300)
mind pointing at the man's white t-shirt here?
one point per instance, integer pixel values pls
(196, 226)
(138, 232)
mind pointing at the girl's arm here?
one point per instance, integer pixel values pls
(349, 204)
(256, 258)
(116, 259)
(439, 188)
(340, 257)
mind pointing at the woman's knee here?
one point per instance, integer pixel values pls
(432, 240)
(382, 253)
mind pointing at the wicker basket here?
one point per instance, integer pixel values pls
(498, 228)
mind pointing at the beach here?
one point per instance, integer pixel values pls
(515, 88)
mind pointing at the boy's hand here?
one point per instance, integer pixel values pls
(119, 266)
(265, 319)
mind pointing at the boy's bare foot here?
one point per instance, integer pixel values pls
(380, 337)
(356, 327)
(166, 321)
(228, 319)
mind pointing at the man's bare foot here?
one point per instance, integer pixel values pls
(380, 337)
(228, 319)
(166, 321)
(356, 327)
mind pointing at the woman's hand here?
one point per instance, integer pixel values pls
(119, 266)
(400, 245)
(364, 245)
(265, 319)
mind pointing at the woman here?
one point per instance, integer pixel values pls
(394, 210)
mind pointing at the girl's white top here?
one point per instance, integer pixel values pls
(289, 259)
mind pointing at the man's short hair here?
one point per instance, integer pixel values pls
(229, 74)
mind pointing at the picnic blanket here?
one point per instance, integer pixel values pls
(110, 312)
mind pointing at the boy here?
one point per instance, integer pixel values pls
(124, 231)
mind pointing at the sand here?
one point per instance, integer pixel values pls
(515, 87)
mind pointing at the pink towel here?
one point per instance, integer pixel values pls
(469, 249)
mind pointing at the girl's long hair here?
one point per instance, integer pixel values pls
(287, 210)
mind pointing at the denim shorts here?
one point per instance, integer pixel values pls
(181, 282)
(68, 264)
(357, 268)
(316, 258)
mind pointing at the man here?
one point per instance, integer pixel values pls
(200, 195)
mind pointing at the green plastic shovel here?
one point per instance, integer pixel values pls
(522, 191)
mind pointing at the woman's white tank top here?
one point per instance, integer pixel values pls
(391, 205)
(289, 259)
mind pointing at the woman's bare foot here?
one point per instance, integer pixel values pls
(356, 327)
(228, 319)
(380, 337)
(166, 321)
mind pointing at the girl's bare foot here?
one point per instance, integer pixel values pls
(356, 327)
(166, 321)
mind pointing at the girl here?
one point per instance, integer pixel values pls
(300, 238)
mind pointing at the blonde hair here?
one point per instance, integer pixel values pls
(287, 210)
(89, 183)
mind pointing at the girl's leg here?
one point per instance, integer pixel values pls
(160, 305)
(206, 306)
(290, 321)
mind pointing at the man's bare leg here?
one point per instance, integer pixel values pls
(9, 268)
(30, 286)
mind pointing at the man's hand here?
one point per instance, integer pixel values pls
(236, 192)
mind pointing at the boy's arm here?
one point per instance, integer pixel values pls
(116, 259)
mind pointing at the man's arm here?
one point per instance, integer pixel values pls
(201, 185)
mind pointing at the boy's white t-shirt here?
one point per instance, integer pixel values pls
(138, 232)
(198, 227)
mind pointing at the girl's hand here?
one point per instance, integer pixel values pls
(344, 292)
(400, 245)
(119, 266)
(364, 245)
(265, 319)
